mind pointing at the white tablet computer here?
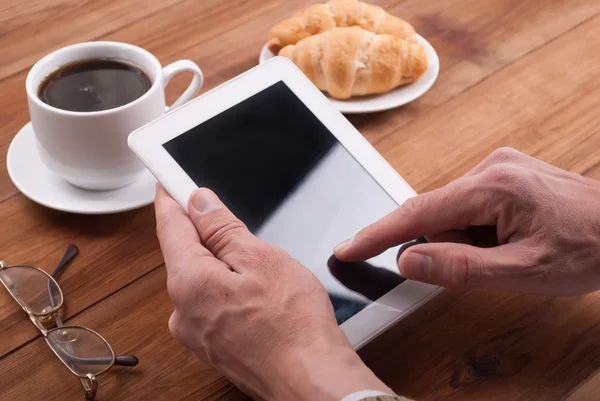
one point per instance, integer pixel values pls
(298, 174)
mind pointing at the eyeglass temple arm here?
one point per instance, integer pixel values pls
(121, 360)
(126, 360)
(67, 257)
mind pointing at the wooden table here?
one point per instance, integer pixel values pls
(514, 73)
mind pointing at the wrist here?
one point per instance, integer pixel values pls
(322, 372)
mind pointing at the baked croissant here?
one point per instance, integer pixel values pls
(337, 13)
(346, 62)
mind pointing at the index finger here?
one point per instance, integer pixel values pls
(456, 206)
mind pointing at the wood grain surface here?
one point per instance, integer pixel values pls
(514, 73)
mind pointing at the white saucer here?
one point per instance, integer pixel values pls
(395, 98)
(31, 176)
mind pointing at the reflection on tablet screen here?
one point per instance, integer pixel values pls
(279, 169)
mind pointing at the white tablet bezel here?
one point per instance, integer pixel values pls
(147, 143)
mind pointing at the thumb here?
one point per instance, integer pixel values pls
(464, 266)
(220, 231)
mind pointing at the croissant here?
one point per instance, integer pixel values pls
(346, 62)
(337, 13)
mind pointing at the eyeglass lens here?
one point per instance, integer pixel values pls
(82, 350)
(34, 290)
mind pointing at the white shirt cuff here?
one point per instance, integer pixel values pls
(362, 395)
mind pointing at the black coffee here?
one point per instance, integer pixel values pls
(94, 85)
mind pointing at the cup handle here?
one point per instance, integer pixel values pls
(180, 66)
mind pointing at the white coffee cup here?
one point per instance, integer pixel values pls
(89, 149)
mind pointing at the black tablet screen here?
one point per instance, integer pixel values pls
(281, 171)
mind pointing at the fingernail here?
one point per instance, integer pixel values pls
(416, 266)
(343, 245)
(204, 200)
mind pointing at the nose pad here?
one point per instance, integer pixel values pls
(404, 247)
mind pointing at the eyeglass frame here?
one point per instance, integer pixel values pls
(89, 381)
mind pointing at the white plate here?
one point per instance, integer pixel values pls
(385, 101)
(31, 176)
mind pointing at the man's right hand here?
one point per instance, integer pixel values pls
(545, 222)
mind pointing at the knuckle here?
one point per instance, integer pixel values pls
(503, 155)
(219, 234)
(179, 329)
(513, 184)
(512, 180)
(462, 271)
(413, 205)
(174, 323)
(452, 270)
(368, 235)
(175, 327)
(504, 174)
(473, 271)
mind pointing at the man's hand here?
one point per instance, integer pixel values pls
(545, 223)
(252, 311)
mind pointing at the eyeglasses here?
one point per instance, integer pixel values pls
(83, 351)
